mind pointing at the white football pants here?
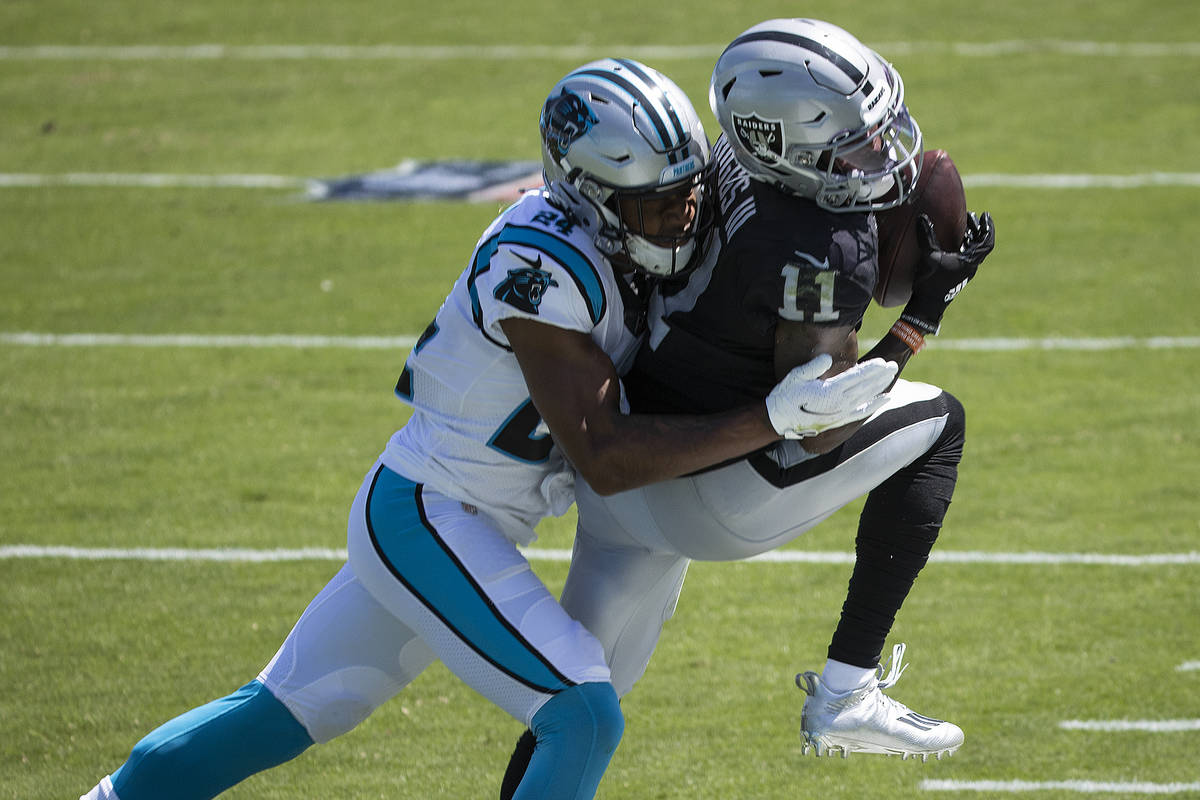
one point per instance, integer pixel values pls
(632, 549)
(427, 577)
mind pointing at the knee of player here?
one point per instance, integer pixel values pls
(956, 417)
(338, 702)
(335, 717)
(586, 712)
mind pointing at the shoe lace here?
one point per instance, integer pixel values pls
(871, 693)
(896, 668)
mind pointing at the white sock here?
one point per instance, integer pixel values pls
(840, 677)
(102, 791)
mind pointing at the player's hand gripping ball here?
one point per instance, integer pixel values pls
(938, 195)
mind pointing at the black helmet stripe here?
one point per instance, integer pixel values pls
(659, 92)
(660, 125)
(852, 72)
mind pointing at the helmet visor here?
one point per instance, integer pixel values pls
(881, 150)
(664, 216)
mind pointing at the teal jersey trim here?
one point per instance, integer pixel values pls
(578, 266)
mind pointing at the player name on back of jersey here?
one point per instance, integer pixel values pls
(733, 188)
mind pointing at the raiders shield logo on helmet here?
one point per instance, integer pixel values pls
(763, 138)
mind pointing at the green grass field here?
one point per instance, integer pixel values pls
(1069, 451)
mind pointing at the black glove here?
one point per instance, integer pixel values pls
(944, 273)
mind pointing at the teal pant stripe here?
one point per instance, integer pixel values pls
(411, 548)
(203, 752)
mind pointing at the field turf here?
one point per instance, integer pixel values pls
(1070, 450)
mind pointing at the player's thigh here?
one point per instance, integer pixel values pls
(757, 504)
(448, 572)
(624, 596)
(343, 658)
(794, 491)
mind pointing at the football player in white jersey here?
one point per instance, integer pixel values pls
(513, 385)
(816, 137)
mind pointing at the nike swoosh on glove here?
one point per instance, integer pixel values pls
(803, 404)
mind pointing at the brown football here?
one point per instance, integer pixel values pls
(939, 194)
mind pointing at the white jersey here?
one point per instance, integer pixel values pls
(474, 434)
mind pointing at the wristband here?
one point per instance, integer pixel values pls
(909, 335)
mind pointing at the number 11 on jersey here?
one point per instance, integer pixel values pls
(808, 292)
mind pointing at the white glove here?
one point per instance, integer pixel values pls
(803, 405)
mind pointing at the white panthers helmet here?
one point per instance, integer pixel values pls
(809, 108)
(616, 133)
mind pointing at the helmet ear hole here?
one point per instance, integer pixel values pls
(591, 190)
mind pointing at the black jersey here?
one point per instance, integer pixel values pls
(777, 256)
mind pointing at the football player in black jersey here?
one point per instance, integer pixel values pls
(816, 137)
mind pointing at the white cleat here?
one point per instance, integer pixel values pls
(865, 720)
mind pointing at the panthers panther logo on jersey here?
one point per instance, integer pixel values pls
(564, 119)
(524, 287)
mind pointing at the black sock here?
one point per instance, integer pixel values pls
(517, 765)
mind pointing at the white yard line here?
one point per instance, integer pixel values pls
(570, 52)
(1069, 343)
(337, 52)
(1084, 787)
(1136, 725)
(1001, 344)
(1082, 181)
(253, 341)
(157, 180)
(243, 555)
(151, 180)
(230, 555)
(1188, 666)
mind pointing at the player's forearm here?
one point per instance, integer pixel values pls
(624, 452)
(897, 346)
(641, 449)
